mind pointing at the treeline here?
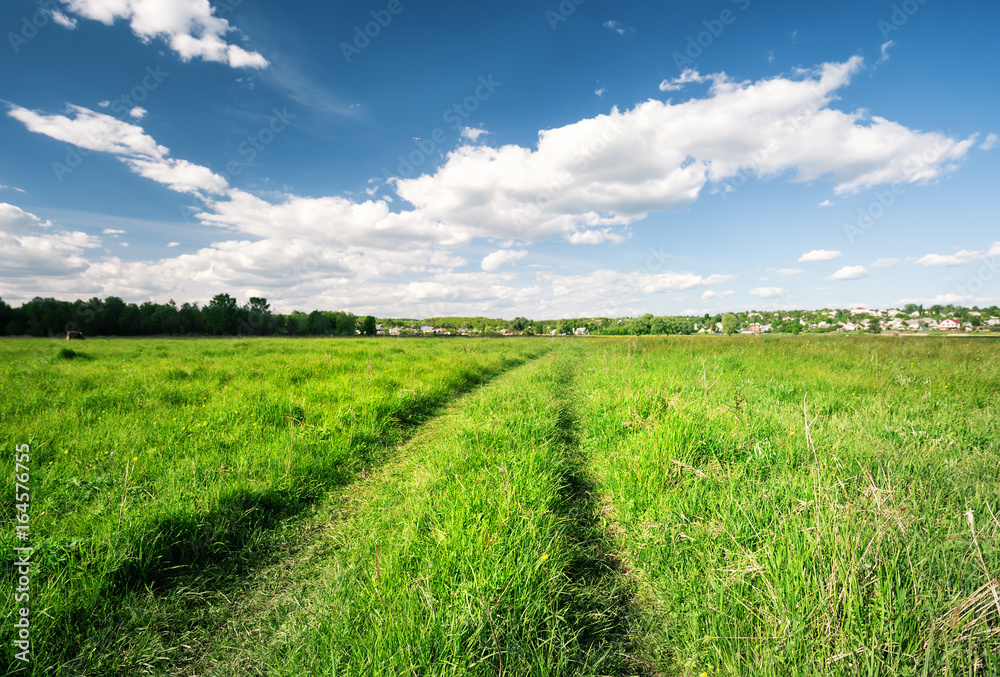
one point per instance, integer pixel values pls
(220, 316)
(649, 324)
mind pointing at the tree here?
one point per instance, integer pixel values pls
(519, 323)
(221, 315)
(256, 319)
(368, 326)
(729, 324)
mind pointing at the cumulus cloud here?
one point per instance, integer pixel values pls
(712, 294)
(190, 27)
(849, 273)
(138, 112)
(91, 130)
(63, 20)
(826, 203)
(990, 142)
(959, 258)
(819, 255)
(769, 292)
(614, 169)
(677, 84)
(58, 254)
(498, 259)
(16, 221)
(473, 133)
(885, 263)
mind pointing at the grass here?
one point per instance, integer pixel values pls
(661, 506)
(801, 506)
(167, 466)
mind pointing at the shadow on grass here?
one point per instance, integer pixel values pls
(602, 601)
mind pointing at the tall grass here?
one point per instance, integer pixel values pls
(476, 555)
(804, 506)
(160, 469)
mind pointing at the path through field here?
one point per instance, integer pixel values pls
(679, 506)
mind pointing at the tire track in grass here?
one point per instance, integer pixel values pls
(201, 574)
(475, 553)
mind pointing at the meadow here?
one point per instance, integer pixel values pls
(812, 505)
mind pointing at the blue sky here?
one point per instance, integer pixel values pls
(542, 159)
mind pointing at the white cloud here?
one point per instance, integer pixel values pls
(819, 255)
(91, 130)
(617, 27)
(826, 203)
(138, 112)
(885, 263)
(959, 258)
(769, 292)
(940, 299)
(614, 169)
(19, 190)
(849, 273)
(173, 244)
(990, 142)
(16, 221)
(190, 27)
(63, 20)
(113, 231)
(712, 294)
(884, 52)
(789, 272)
(600, 91)
(473, 133)
(596, 236)
(58, 254)
(498, 259)
(179, 175)
(677, 84)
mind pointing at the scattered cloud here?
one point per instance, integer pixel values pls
(16, 221)
(885, 263)
(113, 232)
(990, 142)
(769, 292)
(173, 244)
(473, 133)
(498, 259)
(63, 20)
(884, 52)
(712, 294)
(617, 27)
(849, 273)
(826, 203)
(687, 76)
(939, 300)
(600, 91)
(19, 190)
(190, 27)
(819, 255)
(138, 112)
(789, 272)
(959, 258)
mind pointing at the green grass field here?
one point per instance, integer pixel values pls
(665, 506)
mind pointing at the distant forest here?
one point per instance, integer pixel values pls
(220, 316)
